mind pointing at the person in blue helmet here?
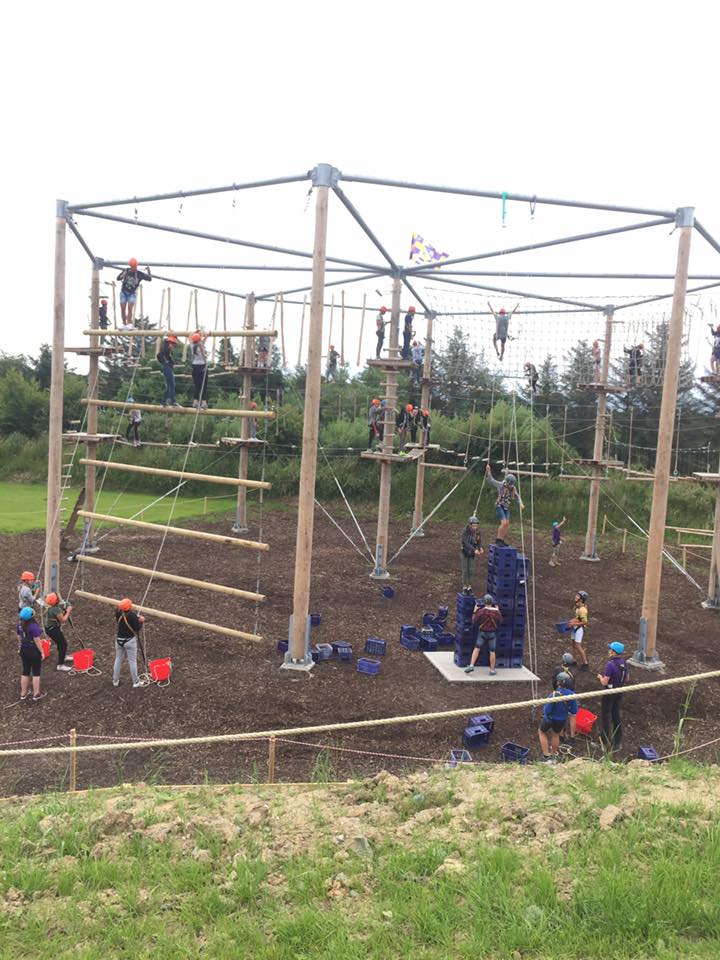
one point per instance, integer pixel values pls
(29, 634)
(555, 716)
(507, 492)
(614, 677)
(470, 548)
(556, 541)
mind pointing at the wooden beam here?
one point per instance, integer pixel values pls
(179, 531)
(174, 617)
(187, 411)
(152, 334)
(171, 578)
(447, 466)
(159, 472)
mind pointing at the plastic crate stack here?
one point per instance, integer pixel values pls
(465, 633)
(508, 573)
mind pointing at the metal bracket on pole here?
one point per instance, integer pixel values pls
(641, 658)
(685, 217)
(306, 664)
(379, 573)
(325, 175)
(98, 263)
(417, 527)
(54, 578)
(61, 209)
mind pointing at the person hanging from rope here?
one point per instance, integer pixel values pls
(417, 352)
(487, 618)
(31, 653)
(413, 422)
(263, 351)
(199, 371)
(470, 548)
(502, 321)
(596, 354)
(425, 423)
(614, 677)
(252, 422)
(636, 356)
(506, 492)
(376, 426)
(57, 614)
(134, 421)
(28, 590)
(556, 542)
(578, 626)
(164, 357)
(131, 279)
(532, 376)
(555, 716)
(380, 324)
(715, 353)
(408, 333)
(127, 634)
(332, 364)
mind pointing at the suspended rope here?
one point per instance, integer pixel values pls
(630, 433)
(336, 524)
(677, 442)
(489, 449)
(562, 446)
(261, 501)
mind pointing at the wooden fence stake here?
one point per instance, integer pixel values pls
(604, 523)
(624, 543)
(271, 760)
(72, 785)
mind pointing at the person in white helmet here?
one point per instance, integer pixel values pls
(506, 492)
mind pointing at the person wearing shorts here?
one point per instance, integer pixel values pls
(556, 541)
(578, 626)
(31, 653)
(502, 322)
(507, 492)
(555, 716)
(487, 618)
(131, 279)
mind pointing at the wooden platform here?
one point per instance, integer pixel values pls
(712, 378)
(96, 351)
(398, 364)
(187, 411)
(600, 387)
(391, 457)
(168, 445)
(707, 477)
(239, 442)
(74, 437)
(579, 476)
(598, 463)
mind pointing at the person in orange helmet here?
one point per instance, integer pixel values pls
(199, 370)
(413, 422)
(425, 422)
(131, 279)
(28, 590)
(380, 324)
(128, 627)
(165, 359)
(57, 614)
(502, 321)
(402, 422)
(376, 426)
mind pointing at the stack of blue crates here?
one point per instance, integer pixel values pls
(465, 633)
(508, 573)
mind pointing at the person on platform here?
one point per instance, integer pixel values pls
(408, 333)
(425, 424)
(332, 364)
(134, 421)
(502, 322)
(555, 716)
(715, 353)
(417, 352)
(402, 422)
(28, 590)
(556, 542)
(487, 618)
(199, 371)
(532, 376)
(413, 423)
(596, 354)
(252, 422)
(507, 492)
(165, 359)
(57, 614)
(29, 634)
(636, 359)
(614, 677)
(470, 548)
(127, 633)
(263, 351)
(578, 626)
(380, 324)
(131, 279)
(103, 320)
(376, 427)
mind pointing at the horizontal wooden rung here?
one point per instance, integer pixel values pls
(444, 466)
(179, 531)
(182, 475)
(174, 617)
(187, 411)
(163, 334)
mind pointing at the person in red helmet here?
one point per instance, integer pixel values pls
(376, 427)
(28, 590)
(380, 324)
(408, 333)
(502, 322)
(165, 359)
(413, 422)
(715, 354)
(199, 370)
(131, 279)
(103, 320)
(127, 633)
(425, 422)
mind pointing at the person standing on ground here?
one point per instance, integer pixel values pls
(57, 614)
(614, 677)
(556, 542)
(567, 661)
(408, 333)
(578, 626)
(129, 625)
(332, 364)
(555, 715)
(199, 371)
(487, 618)
(380, 324)
(31, 653)
(131, 279)
(165, 359)
(506, 493)
(502, 322)
(470, 548)
(28, 590)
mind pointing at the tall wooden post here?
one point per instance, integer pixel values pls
(646, 655)
(590, 552)
(713, 597)
(241, 523)
(54, 484)
(298, 656)
(424, 405)
(383, 522)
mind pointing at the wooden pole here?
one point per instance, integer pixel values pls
(186, 343)
(362, 324)
(424, 405)
(54, 483)
(624, 542)
(684, 558)
(241, 520)
(332, 311)
(173, 617)
(226, 339)
(72, 778)
(298, 656)
(181, 333)
(713, 597)
(179, 531)
(342, 327)
(187, 411)
(383, 522)
(92, 414)
(604, 524)
(282, 332)
(180, 474)
(271, 759)
(656, 535)
(173, 578)
(302, 329)
(590, 551)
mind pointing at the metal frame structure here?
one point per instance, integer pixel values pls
(324, 179)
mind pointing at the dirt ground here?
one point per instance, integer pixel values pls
(222, 685)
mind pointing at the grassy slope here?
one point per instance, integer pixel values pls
(503, 863)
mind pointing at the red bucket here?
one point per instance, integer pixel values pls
(45, 644)
(584, 721)
(160, 669)
(83, 659)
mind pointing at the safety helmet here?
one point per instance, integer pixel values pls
(409, 407)
(555, 523)
(125, 604)
(411, 309)
(27, 576)
(172, 339)
(426, 413)
(383, 309)
(488, 599)
(416, 343)
(383, 403)
(510, 480)
(583, 595)
(502, 309)
(375, 402)
(253, 405)
(51, 599)
(567, 659)
(26, 613)
(473, 519)
(616, 647)
(131, 399)
(196, 338)
(563, 679)
(527, 364)
(132, 262)
(104, 301)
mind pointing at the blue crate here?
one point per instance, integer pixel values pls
(437, 628)
(408, 630)
(427, 618)
(502, 660)
(410, 642)
(514, 753)
(445, 639)
(429, 644)
(474, 737)
(563, 627)
(315, 619)
(343, 650)
(371, 667)
(464, 601)
(497, 551)
(482, 720)
(518, 624)
(516, 661)
(324, 651)
(376, 646)
(459, 756)
(461, 659)
(503, 633)
(647, 753)
(282, 646)
(442, 613)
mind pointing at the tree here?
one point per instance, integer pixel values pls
(23, 405)
(42, 366)
(461, 375)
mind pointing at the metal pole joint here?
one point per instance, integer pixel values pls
(325, 175)
(61, 209)
(98, 263)
(609, 310)
(685, 217)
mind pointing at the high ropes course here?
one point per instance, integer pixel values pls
(442, 288)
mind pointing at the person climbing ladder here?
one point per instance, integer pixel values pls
(507, 492)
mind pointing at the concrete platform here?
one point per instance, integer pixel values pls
(443, 661)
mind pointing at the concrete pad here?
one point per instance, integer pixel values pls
(443, 661)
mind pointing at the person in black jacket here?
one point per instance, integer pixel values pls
(131, 279)
(165, 359)
(129, 625)
(471, 548)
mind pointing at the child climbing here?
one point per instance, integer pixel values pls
(507, 492)
(596, 355)
(470, 548)
(502, 321)
(578, 625)
(127, 633)
(134, 421)
(555, 716)
(408, 333)
(532, 376)
(556, 541)
(165, 359)
(380, 324)
(376, 426)
(199, 371)
(715, 353)
(28, 590)
(332, 364)
(57, 614)
(487, 618)
(131, 279)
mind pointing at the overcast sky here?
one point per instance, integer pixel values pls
(611, 102)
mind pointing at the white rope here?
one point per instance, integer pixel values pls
(489, 449)
(350, 511)
(335, 523)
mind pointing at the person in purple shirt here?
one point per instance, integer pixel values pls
(31, 653)
(614, 676)
(556, 541)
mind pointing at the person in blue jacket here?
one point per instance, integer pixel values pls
(555, 716)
